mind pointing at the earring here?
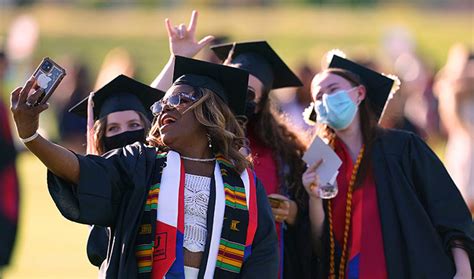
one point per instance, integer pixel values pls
(209, 141)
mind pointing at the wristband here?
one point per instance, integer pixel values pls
(28, 139)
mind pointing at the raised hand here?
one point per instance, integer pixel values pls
(182, 39)
(25, 114)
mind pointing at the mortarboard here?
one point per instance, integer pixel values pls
(122, 93)
(229, 83)
(377, 85)
(260, 60)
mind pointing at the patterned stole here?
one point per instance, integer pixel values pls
(234, 239)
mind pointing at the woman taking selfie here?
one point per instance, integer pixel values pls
(397, 214)
(189, 204)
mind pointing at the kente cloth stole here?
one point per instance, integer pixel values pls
(159, 242)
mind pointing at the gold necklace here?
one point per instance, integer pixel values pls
(332, 245)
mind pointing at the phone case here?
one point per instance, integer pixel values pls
(48, 76)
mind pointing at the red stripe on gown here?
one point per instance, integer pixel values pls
(166, 246)
(9, 193)
(8, 176)
(253, 216)
(372, 264)
(264, 165)
(365, 236)
(266, 170)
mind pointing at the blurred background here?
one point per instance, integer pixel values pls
(427, 43)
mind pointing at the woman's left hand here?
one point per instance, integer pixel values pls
(287, 210)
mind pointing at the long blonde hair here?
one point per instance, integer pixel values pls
(225, 132)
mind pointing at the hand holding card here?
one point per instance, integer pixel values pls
(328, 170)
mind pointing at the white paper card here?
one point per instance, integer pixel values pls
(328, 170)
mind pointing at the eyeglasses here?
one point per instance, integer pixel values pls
(173, 101)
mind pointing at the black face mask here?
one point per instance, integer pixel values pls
(123, 139)
(250, 107)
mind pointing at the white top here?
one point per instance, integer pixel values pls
(191, 272)
(196, 200)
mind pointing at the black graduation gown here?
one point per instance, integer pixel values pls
(111, 193)
(421, 209)
(97, 245)
(300, 262)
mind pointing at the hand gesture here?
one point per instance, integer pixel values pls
(311, 180)
(182, 39)
(25, 114)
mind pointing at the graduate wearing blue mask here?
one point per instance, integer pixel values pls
(398, 214)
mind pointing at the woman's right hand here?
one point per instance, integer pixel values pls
(311, 180)
(25, 115)
(182, 40)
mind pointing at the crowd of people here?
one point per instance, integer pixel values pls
(201, 174)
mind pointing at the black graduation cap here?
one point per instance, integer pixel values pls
(229, 83)
(122, 93)
(377, 85)
(260, 60)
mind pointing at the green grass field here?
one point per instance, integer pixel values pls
(49, 246)
(297, 33)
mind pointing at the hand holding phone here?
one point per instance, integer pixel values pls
(48, 75)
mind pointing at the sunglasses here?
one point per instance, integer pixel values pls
(174, 101)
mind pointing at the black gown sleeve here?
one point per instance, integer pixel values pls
(440, 197)
(263, 261)
(102, 182)
(97, 245)
(299, 259)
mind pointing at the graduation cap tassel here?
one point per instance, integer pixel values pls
(90, 147)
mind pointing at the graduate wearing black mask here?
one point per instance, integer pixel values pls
(119, 118)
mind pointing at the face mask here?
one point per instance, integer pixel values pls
(123, 139)
(336, 110)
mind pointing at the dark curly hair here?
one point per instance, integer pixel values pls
(272, 129)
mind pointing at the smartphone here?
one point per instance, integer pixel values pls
(48, 75)
(274, 202)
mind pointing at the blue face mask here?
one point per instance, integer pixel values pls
(336, 110)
